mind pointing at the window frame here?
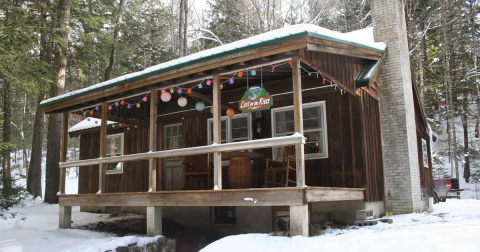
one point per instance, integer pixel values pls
(424, 153)
(164, 140)
(324, 129)
(229, 127)
(122, 137)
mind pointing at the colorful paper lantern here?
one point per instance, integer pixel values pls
(84, 113)
(182, 101)
(145, 98)
(211, 109)
(200, 106)
(117, 104)
(221, 86)
(200, 86)
(253, 73)
(120, 125)
(91, 112)
(136, 126)
(163, 91)
(97, 108)
(122, 102)
(179, 90)
(273, 68)
(290, 63)
(79, 119)
(171, 90)
(138, 105)
(230, 112)
(129, 106)
(165, 97)
(73, 116)
(110, 107)
(209, 82)
(113, 126)
(309, 74)
(231, 81)
(189, 91)
(240, 74)
(128, 128)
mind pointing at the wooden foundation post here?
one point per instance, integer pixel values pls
(152, 141)
(103, 147)
(298, 214)
(217, 132)
(65, 217)
(154, 221)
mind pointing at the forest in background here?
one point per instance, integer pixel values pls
(48, 47)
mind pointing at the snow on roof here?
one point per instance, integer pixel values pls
(362, 38)
(85, 124)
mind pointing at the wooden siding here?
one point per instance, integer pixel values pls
(372, 149)
(135, 174)
(342, 68)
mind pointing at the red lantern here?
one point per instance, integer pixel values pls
(91, 112)
(122, 102)
(290, 63)
(189, 91)
(136, 126)
(230, 112)
(73, 116)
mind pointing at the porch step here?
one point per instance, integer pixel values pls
(366, 222)
(365, 214)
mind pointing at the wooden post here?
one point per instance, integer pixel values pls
(154, 221)
(65, 217)
(298, 118)
(65, 212)
(103, 148)
(298, 214)
(63, 155)
(152, 141)
(217, 132)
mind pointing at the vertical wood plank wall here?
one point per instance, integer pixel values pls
(373, 149)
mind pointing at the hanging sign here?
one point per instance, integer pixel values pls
(255, 99)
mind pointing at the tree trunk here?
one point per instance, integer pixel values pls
(181, 27)
(185, 28)
(116, 34)
(55, 120)
(466, 165)
(7, 117)
(34, 182)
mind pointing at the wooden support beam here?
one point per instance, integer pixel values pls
(298, 214)
(65, 217)
(280, 196)
(63, 153)
(217, 132)
(298, 119)
(206, 98)
(103, 148)
(154, 221)
(152, 142)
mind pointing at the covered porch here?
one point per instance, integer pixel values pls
(337, 159)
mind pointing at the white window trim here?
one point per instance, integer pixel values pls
(229, 128)
(425, 153)
(324, 127)
(122, 138)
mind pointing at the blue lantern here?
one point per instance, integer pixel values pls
(200, 85)
(200, 106)
(253, 73)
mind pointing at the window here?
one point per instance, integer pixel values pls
(173, 136)
(114, 148)
(425, 153)
(314, 129)
(234, 129)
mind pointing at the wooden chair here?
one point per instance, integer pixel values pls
(192, 173)
(284, 168)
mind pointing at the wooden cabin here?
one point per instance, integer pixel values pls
(231, 138)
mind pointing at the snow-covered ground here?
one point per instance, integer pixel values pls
(453, 226)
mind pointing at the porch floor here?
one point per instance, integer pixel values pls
(285, 196)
